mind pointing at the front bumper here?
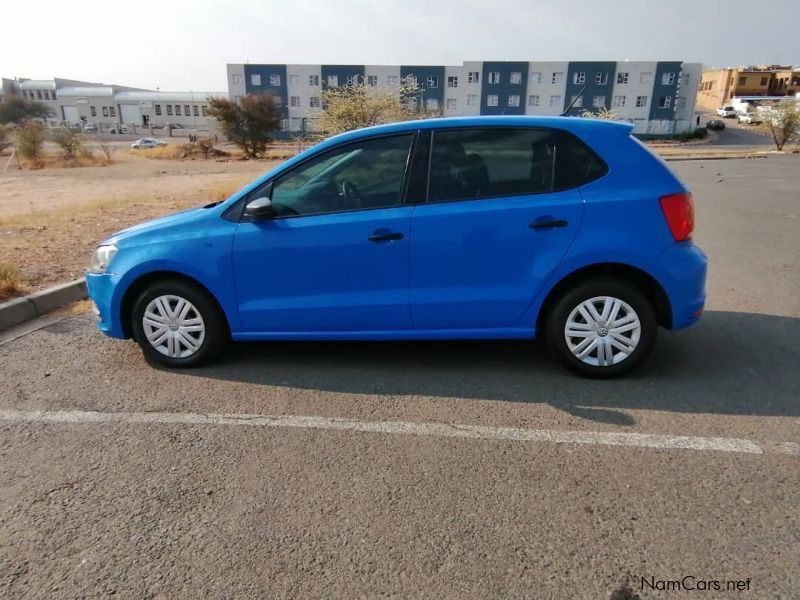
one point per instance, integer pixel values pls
(106, 301)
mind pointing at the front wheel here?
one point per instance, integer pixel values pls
(177, 324)
(602, 328)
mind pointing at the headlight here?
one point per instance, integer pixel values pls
(102, 257)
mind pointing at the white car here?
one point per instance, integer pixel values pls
(147, 143)
(750, 119)
(726, 111)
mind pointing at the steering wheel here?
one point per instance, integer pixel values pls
(350, 192)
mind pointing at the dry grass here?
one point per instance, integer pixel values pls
(57, 161)
(54, 246)
(10, 284)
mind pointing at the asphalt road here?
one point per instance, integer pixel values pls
(429, 470)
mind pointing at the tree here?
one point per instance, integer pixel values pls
(5, 139)
(601, 113)
(68, 140)
(29, 142)
(782, 121)
(249, 125)
(354, 106)
(18, 110)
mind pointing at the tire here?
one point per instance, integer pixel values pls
(622, 350)
(200, 335)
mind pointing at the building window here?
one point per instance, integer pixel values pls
(557, 77)
(764, 80)
(433, 81)
(333, 80)
(665, 101)
(351, 80)
(494, 77)
(536, 77)
(601, 78)
(372, 80)
(516, 77)
(313, 80)
(577, 101)
(555, 100)
(641, 101)
(39, 94)
(158, 110)
(619, 101)
(452, 82)
(294, 79)
(667, 78)
(533, 100)
(599, 102)
(412, 103)
(645, 77)
(294, 101)
(393, 80)
(473, 77)
(255, 79)
(195, 110)
(274, 79)
(112, 112)
(685, 79)
(680, 102)
(513, 100)
(204, 110)
(105, 111)
(451, 104)
(314, 102)
(93, 111)
(579, 78)
(622, 78)
(432, 104)
(491, 100)
(236, 79)
(186, 110)
(177, 110)
(169, 110)
(472, 99)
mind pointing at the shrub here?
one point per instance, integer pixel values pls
(5, 138)
(9, 280)
(69, 141)
(29, 142)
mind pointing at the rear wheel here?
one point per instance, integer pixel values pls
(602, 328)
(177, 324)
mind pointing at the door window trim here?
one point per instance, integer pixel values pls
(236, 213)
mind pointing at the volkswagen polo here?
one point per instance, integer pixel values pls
(560, 228)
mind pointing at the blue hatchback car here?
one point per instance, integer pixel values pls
(469, 228)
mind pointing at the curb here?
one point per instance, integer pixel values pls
(37, 304)
(679, 157)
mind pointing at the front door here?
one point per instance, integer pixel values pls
(501, 214)
(335, 258)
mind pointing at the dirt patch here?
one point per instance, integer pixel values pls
(51, 219)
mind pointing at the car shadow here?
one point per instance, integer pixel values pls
(729, 363)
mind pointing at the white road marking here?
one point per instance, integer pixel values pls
(642, 440)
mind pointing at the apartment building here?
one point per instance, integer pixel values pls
(719, 86)
(657, 97)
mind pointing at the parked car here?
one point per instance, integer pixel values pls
(750, 119)
(471, 228)
(726, 112)
(119, 129)
(90, 128)
(715, 124)
(147, 143)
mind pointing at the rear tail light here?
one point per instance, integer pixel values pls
(679, 212)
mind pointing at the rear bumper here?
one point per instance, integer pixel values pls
(103, 293)
(684, 280)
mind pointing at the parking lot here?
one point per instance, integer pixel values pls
(470, 469)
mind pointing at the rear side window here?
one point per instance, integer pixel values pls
(495, 162)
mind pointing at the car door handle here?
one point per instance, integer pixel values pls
(385, 236)
(548, 224)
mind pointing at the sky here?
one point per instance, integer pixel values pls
(185, 45)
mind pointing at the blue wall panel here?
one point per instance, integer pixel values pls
(343, 73)
(593, 88)
(505, 88)
(426, 92)
(662, 89)
(267, 73)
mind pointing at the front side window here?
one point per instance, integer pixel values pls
(471, 164)
(367, 174)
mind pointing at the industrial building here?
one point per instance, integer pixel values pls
(657, 97)
(107, 107)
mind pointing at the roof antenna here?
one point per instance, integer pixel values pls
(574, 100)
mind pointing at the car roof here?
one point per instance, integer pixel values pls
(572, 124)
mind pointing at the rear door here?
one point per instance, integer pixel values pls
(502, 209)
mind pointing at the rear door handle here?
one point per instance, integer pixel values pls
(548, 224)
(385, 236)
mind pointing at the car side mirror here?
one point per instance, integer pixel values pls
(260, 209)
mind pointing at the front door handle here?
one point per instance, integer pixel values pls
(385, 236)
(548, 224)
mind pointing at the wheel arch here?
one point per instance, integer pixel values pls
(138, 285)
(645, 282)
